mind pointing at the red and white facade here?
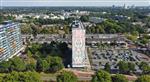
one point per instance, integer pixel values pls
(78, 46)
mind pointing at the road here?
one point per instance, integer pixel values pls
(90, 38)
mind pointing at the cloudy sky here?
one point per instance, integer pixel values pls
(73, 2)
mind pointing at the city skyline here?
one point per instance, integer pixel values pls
(73, 2)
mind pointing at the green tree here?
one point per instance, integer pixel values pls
(30, 67)
(143, 78)
(1, 19)
(123, 67)
(131, 66)
(22, 77)
(29, 53)
(135, 33)
(26, 29)
(44, 31)
(55, 64)
(35, 47)
(1, 77)
(144, 67)
(17, 64)
(131, 37)
(35, 31)
(5, 66)
(107, 67)
(119, 78)
(144, 41)
(42, 65)
(67, 76)
(66, 29)
(101, 29)
(101, 76)
(112, 31)
(10, 17)
(84, 18)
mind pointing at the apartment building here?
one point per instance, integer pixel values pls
(10, 40)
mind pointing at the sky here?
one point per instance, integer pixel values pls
(74, 2)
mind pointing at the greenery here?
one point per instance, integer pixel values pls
(52, 57)
(107, 67)
(5, 18)
(126, 67)
(67, 76)
(123, 67)
(111, 26)
(40, 58)
(101, 76)
(119, 78)
(49, 64)
(132, 38)
(53, 49)
(21, 77)
(45, 29)
(131, 66)
(15, 64)
(108, 26)
(144, 67)
(143, 78)
(119, 20)
(84, 18)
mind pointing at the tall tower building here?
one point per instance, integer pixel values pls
(79, 55)
(10, 40)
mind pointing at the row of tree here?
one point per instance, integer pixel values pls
(59, 49)
(45, 49)
(111, 26)
(49, 64)
(108, 26)
(100, 76)
(103, 76)
(36, 29)
(21, 77)
(129, 67)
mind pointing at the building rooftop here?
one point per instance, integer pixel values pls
(6, 24)
(77, 24)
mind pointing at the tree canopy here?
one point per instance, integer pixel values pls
(119, 78)
(67, 76)
(144, 67)
(107, 67)
(123, 67)
(101, 76)
(143, 78)
(22, 77)
(14, 64)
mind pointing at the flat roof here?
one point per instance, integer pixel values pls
(77, 24)
(7, 24)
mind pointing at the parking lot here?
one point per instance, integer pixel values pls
(101, 57)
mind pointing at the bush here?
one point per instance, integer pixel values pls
(101, 76)
(67, 76)
(143, 78)
(119, 78)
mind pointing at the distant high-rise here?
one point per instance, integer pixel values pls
(125, 6)
(10, 40)
(1, 6)
(79, 55)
